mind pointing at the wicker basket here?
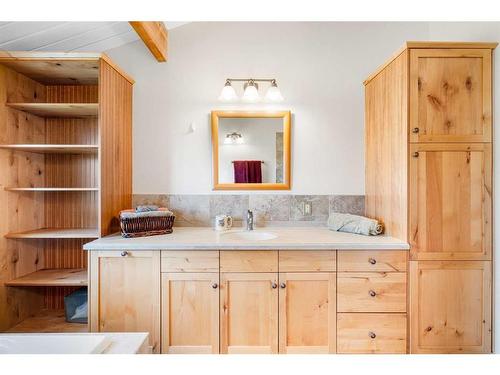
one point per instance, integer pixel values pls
(146, 226)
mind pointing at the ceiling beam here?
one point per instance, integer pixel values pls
(154, 35)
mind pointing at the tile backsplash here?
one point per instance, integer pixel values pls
(269, 209)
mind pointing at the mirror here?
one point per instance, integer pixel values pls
(251, 150)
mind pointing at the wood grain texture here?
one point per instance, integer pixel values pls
(371, 292)
(190, 313)
(371, 333)
(450, 307)
(386, 166)
(115, 133)
(125, 293)
(52, 277)
(190, 261)
(48, 321)
(307, 261)
(372, 261)
(248, 313)
(154, 34)
(71, 110)
(249, 261)
(20, 211)
(450, 95)
(307, 313)
(52, 233)
(451, 203)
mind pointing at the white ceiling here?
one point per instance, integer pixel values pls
(67, 36)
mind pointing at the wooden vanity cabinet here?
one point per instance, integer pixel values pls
(124, 293)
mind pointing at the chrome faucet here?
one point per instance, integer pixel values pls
(249, 220)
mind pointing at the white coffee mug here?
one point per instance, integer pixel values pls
(223, 222)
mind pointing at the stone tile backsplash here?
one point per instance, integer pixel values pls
(269, 209)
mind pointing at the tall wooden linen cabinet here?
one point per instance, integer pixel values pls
(65, 172)
(429, 179)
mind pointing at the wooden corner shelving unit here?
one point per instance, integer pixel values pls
(65, 173)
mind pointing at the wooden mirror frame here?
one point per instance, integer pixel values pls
(285, 116)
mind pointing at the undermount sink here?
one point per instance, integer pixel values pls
(249, 236)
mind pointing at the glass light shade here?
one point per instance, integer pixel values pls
(228, 94)
(233, 139)
(273, 94)
(251, 95)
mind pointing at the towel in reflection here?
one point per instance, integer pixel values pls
(247, 171)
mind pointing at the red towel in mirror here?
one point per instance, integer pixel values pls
(247, 171)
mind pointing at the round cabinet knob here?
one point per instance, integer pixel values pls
(274, 285)
(372, 261)
(372, 335)
(215, 286)
(124, 253)
(415, 130)
(372, 293)
(415, 154)
(282, 285)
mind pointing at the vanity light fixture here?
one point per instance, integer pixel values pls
(233, 139)
(251, 90)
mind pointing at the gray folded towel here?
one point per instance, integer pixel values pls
(354, 224)
(146, 208)
(127, 214)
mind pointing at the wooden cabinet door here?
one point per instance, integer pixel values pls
(249, 313)
(307, 313)
(125, 293)
(450, 95)
(450, 306)
(450, 201)
(190, 313)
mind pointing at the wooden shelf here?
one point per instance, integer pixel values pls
(48, 321)
(57, 109)
(56, 233)
(52, 277)
(48, 189)
(53, 149)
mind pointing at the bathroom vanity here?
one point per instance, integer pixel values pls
(293, 290)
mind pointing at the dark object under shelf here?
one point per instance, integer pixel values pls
(74, 300)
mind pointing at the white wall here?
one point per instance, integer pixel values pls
(320, 68)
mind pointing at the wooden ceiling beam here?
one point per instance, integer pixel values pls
(154, 34)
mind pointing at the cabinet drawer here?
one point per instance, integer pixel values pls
(369, 260)
(371, 333)
(190, 261)
(249, 261)
(305, 261)
(371, 292)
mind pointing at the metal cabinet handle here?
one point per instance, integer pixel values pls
(124, 253)
(415, 130)
(372, 261)
(372, 293)
(282, 285)
(372, 335)
(274, 285)
(215, 285)
(415, 154)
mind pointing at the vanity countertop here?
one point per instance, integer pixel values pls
(204, 238)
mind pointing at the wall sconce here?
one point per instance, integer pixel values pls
(233, 139)
(251, 90)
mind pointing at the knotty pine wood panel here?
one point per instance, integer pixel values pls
(115, 131)
(21, 211)
(386, 106)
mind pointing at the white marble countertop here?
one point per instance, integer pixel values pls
(204, 238)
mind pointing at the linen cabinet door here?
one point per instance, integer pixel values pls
(450, 201)
(307, 313)
(125, 293)
(450, 95)
(450, 306)
(249, 313)
(190, 313)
